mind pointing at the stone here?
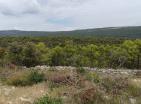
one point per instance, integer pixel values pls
(25, 100)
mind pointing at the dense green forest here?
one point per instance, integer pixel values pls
(70, 51)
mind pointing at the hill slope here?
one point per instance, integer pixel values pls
(129, 32)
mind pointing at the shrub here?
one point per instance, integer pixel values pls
(48, 100)
(57, 80)
(35, 77)
(89, 96)
(25, 78)
(94, 77)
(114, 86)
(80, 70)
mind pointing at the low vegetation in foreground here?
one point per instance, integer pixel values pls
(68, 85)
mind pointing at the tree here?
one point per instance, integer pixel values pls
(44, 51)
(31, 56)
(2, 55)
(14, 54)
(132, 52)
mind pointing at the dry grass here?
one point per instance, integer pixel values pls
(75, 88)
(22, 95)
(136, 81)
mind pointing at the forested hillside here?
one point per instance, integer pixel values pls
(122, 32)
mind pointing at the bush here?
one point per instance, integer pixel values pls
(114, 86)
(80, 70)
(94, 77)
(35, 77)
(48, 100)
(89, 96)
(25, 78)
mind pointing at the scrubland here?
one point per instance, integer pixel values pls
(69, 86)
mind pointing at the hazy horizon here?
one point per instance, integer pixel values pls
(116, 27)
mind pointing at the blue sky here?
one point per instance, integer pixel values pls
(57, 15)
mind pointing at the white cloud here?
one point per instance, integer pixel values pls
(68, 14)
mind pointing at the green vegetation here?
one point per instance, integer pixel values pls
(75, 86)
(20, 55)
(71, 85)
(123, 32)
(94, 77)
(47, 100)
(32, 51)
(80, 70)
(25, 78)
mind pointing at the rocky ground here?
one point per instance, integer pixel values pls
(28, 94)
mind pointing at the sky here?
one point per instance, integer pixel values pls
(63, 15)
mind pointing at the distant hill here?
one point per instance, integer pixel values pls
(127, 32)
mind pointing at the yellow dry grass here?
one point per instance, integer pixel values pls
(22, 95)
(136, 81)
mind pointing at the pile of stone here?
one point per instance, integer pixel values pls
(105, 71)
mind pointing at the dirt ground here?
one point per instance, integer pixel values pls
(21, 95)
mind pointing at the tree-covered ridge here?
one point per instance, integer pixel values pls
(122, 32)
(30, 52)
